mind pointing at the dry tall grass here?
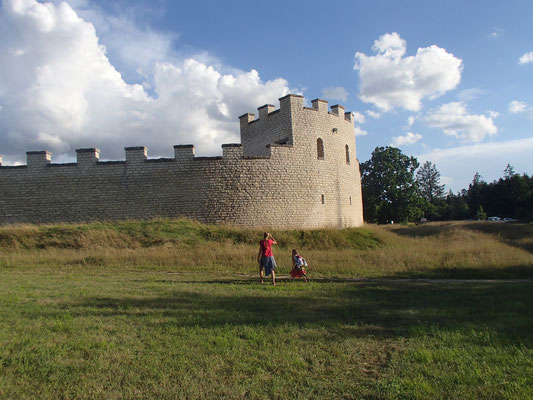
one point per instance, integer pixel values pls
(437, 249)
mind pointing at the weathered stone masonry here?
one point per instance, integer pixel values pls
(296, 168)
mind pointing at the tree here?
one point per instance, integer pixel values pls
(428, 179)
(390, 192)
(475, 192)
(481, 215)
(508, 172)
(457, 208)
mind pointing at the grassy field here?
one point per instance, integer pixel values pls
(172, 309)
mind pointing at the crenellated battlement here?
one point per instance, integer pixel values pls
(290, 123)
(290, 103)
(88, 157)
(295, 168)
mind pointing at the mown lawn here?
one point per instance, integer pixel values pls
(87, 332)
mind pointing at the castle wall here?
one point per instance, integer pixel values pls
(280, 186)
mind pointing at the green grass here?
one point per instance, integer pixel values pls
(116, 334)
(172, 309)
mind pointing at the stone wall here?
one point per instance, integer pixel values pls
(257, 183)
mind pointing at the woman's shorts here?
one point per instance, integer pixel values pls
(268, 264)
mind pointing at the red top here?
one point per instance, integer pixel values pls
(266, 247)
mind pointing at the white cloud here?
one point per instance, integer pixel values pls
(459, 164)
(389, 80)
(59, 92)
(496, 32)
(373, 114)
(358, 117)
(409, 138)
(411, 120)
(335, 93)
(359, 131)
(130, 44)
(526, 58)
(390, 45)
(454, 120)
(493, 114)
(516, 107)
(470, 94)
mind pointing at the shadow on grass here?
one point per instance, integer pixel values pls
(515, 234)
(519, 272)
(425, 230)
(356, 309)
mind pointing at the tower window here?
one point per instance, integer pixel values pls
(334, 130)
(347, 154)
(323, 198)
(320, 149)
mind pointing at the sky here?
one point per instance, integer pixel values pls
(449, 82)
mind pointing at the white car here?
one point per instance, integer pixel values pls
(494, 219)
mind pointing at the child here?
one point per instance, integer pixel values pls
(298, 266)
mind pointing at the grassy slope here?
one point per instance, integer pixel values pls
(472, 250)
(169, 309)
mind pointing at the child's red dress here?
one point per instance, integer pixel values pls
(299, 270)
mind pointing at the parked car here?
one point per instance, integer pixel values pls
(494, 219)
(509, 220)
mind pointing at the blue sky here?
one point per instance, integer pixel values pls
(449, 82)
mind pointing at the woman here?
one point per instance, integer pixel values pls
(265, 258)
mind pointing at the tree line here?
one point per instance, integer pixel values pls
(396, 188)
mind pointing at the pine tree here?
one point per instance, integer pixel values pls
(428, 179)
(508, 172)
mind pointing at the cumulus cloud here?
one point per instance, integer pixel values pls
(454, 119)
(360, 131)
(59, 91)
(409, 138)
(389, 80)
(516, 107)
(335, 93)
(131, 46)
(470, 94)
(358, 117)
(411, 120)
(373, 114)
(526, 58)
